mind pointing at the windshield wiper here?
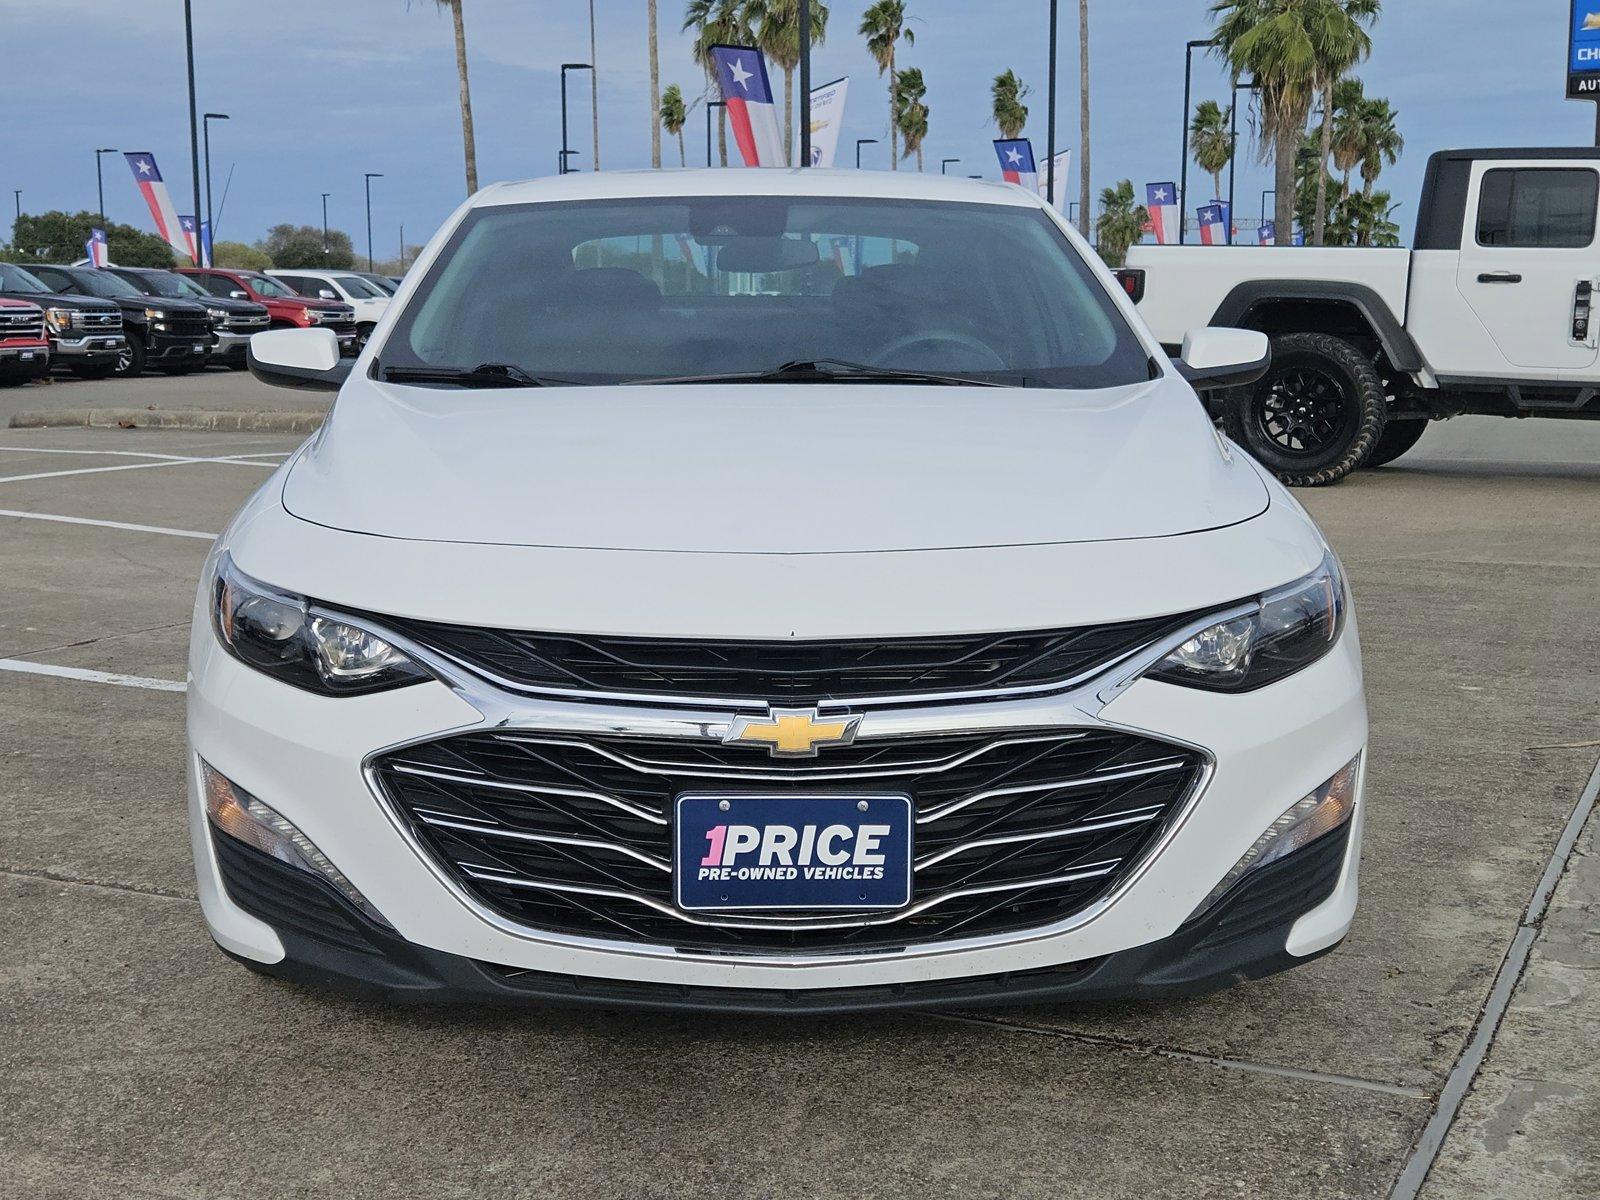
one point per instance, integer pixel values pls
(828, 370)
(487, 375)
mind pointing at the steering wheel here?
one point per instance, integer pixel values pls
(941, 337)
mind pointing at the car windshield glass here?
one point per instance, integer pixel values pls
(268, 286)
(357, 288)
(608, 291)
(14, 279)
(184, 287)
(161, 284)
(105, 284)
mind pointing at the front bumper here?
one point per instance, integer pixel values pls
(304, 756)
(90, 348)
(230, 345)
(169, 348)
(23, 358)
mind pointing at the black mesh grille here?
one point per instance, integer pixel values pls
(793, 671)
(1088, 803)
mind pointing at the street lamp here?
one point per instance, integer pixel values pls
(194, 119)
(1050, 124)
(1183, 185)
(325, 196)
(805, 84)
(561, 160)
(99, 181)
(1264, 195)
(860, 142)
(710, 104)
(16, 194)
(371, 175)
(1233, 143)
(944, 163)
(210, 228)
(565, 67)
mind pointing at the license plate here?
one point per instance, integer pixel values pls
(745, 851)
(200, 349)
(27, 356)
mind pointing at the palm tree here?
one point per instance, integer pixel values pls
(777, 26)
(1121, 223)
(912, 117)
(1349, 132)
(655, 90)
(1276, 42)
(884, 27)
(716, 22)
(674, 115)
(1343, 42)
(469, 145)
(1362, 219)
(1211, 142)
(1381, 141)
(1083, 118)
(1010, 113)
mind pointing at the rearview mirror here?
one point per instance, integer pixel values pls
(759, 255)
(307, 359)
(1224, 358)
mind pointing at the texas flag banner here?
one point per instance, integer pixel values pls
(143, 165)
(1267, 234)
(1162, 201)
(742, 75)
(190, 237)
(1213, 226)
(1016, 162)
(96, 250)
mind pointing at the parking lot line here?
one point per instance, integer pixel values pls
(231, 460)
(22, 666)
(128, 525)
(135, 453)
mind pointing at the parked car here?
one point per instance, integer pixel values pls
(1492, 311)
(901, 635)
(24, 349)
(368, 299)
(173, 336)
(85, 333)
(232, 321)
(285, 308)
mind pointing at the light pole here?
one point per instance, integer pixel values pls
(561, 161)
(1233, 144)
(1050, 124)
(945, 163)
(325, 196)
(371, 175)
(565, 67)
(16, 194)
(1264, 195)
(805, 84)
(1183, 171)
(860, 142)
(194, 119)
(710, 104)
(99, 182)
(206, 122)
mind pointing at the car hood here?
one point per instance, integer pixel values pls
(770, 469)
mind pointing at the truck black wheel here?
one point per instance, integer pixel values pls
(1315, 415)
(1398, 437)
(130, 359)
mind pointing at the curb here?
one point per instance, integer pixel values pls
(176, 418)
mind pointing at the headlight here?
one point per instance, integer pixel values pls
(59, 319)
(155, 314)
(279, 635)
(1290, 629)
(217, 315)
(313, 316)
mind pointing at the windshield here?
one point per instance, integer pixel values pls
(14, 279)
(105, 284)
(615, 290)
(265, 285)
(158, 283)
(357, 288)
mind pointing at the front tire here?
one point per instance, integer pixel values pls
(1397, 438)
(1316, 414)
(130, 360)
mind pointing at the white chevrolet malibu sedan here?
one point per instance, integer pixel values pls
(771, 591)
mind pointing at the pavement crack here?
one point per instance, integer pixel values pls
(79, 881)
(1172, 1052)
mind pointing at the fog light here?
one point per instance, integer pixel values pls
(240, 815)
(1321, 810)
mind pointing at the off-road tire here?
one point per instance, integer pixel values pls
(1397, 438)
(1315, 415)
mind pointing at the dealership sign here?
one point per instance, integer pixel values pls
(1583, 51)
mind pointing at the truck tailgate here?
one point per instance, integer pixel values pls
(1185, 285)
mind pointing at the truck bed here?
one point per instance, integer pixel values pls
(1185, 285)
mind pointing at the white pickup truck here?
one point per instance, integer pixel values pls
(1490, 312)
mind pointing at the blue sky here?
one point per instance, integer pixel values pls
(323, 90)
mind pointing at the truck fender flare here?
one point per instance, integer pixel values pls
(1391, 333)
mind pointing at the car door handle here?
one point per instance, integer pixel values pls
(1499, 277)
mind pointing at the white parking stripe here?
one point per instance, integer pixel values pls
(134, 681)
(231, 460)
(139, 453)
(33, 516)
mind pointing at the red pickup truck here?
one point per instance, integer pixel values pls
(285, 308)
(24, 349)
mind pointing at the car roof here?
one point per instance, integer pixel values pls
(746, 181)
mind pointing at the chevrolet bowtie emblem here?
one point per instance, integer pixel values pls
(792, 732)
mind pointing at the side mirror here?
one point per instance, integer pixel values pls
(327, 293)
(238, 295)
(1224, 358)
(307, 359)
